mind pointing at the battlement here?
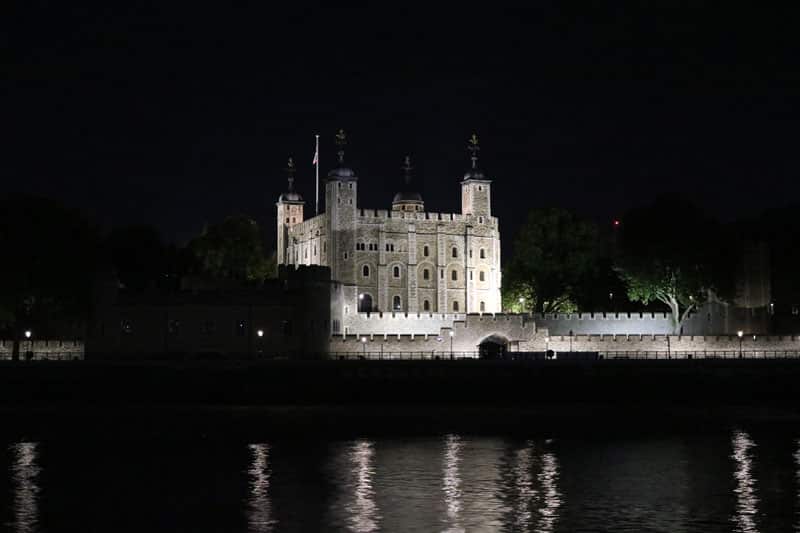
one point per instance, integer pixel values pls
(385, 214)
(44, 349)
(605, 323)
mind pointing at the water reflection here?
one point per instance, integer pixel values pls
(24, 473)
(797, 477)
(746, 497)
(551, 498)
(362, 509)
(260, 507)
(451, 482)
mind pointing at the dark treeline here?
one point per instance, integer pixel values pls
(54, 255)
(668, 256)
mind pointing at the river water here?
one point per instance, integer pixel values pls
(724, 480)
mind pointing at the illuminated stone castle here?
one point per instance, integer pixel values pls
(403, 260)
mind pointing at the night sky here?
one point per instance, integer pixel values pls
(180, 116)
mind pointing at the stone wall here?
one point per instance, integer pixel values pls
(44, 349)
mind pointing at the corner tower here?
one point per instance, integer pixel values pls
(290, 212)
(341, 194)
(476, 188)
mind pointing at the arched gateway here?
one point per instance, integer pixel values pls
(493, 347)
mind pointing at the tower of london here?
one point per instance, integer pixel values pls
(399, 260)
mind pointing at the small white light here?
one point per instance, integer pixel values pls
(360, 296)
(28, 334)
(740, 333)
(451, 333)
(363, 339)
(260, 333)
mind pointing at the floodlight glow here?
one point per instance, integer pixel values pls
(28, 334)
(260, 333)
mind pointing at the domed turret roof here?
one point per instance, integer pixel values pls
(290, 195)
(407, 194)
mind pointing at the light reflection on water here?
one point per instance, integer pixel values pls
(24, 474)
(551, 498)
(746, 497)
(260, 507)
(451, 483)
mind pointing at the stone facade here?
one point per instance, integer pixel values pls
(403, 260)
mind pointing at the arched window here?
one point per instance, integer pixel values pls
(396, 271)
(426, 305)
(483, 307)
(455, 251)
(483, 253)
(426, 274)
(396, 303)
(481, 276)
(364, 303)
(365, 271)
(426, 251)
(455, 307)
(454, 275)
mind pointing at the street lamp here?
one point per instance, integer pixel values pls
(364, 345)
(28, 334)
(522, 304)
(452, 334)
(547, 347)
(740, 334)
(260, 333)
(570, 341)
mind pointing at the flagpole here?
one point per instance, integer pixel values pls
(317, 169)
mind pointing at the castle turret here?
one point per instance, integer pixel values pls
(341, 193)
(476, 198)
(407, 198)
(290, 212)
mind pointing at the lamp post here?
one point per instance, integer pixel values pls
(669, 348)
(570, 341)
(364, 346)
(547, 347)
(29, 352)
(740, 334)
(452, 334)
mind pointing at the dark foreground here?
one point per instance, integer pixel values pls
(260, 399)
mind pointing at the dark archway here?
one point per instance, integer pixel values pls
(493, 347)
(364, 303)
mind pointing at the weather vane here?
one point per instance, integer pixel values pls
(290, 170)
(473, 148)
(407, 168)
(341, 142)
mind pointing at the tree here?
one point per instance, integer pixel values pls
(674, 253)
(49, 259)
(138, 256)
(553, 253)
(232, 249)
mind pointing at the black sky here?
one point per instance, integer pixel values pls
(181, 115)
